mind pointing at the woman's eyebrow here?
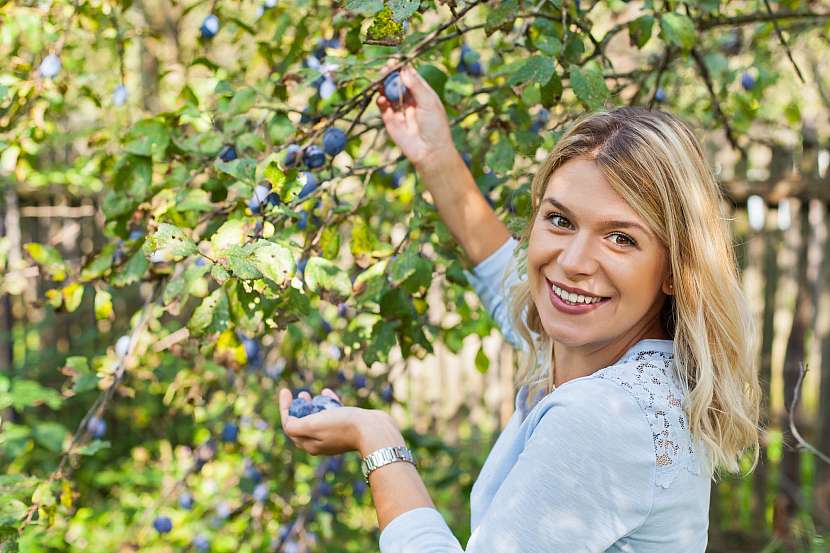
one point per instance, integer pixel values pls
(603, 224)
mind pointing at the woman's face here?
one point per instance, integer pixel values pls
(586, 236)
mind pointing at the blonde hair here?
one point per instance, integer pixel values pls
(654, 162)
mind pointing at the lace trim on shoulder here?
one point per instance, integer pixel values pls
(654, 385)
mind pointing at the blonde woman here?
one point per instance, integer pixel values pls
(640, 379)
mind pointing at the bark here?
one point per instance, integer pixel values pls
(788, 498)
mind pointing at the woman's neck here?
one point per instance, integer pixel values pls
(571, 363)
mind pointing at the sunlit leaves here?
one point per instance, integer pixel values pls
(537, 69)
(149, 138)
(49, 258)
(678, 29)
(212, 314)
(322, 274)
(169, 242)
(589, 86)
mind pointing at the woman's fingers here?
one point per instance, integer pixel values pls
(329, 392)
(420, 90)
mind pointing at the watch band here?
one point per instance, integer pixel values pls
(384, 456)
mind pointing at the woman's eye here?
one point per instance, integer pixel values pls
(551, 217)
(628, 241)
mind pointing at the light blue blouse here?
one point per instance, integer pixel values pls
(605, 462)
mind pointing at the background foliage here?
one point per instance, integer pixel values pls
(202, 295)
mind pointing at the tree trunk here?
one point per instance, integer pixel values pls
(772, 246)
(822, 483)
(788, 498)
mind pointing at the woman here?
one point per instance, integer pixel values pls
(640, 378)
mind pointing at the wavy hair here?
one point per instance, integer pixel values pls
(655, 163)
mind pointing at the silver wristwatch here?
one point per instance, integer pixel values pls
(384, 456)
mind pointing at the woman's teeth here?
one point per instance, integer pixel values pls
(575, 299)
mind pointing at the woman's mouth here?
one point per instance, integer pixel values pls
(573, 304)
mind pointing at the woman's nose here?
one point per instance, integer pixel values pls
(577, 256)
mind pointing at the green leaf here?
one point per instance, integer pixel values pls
(678, 29)
(149, 137)
(49, 258)
(330, 242)
(12, 511)
(275, 176)
(322, 274)
(403, 9)
(93, 447)
(28, 393)
(385, 28)
(171, 241)
(241, 169)
(99, 265)
(537, 69)
(241, 262)
(219, 274)
(243, 100)
(482, 361)
(50, 435)
(501, 158)
(212, 314)
(639, 30)
(589, 86)
(372, 280)
(382, 341)
(73, 294)
(231, 233)
(364, 7)
(273, 260)
(194, 199)
(548, 45)
(103, 304)
(505, 11)
(280, 127)
(132, 271)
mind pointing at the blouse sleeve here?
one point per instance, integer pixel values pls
(486, 280)
(584, 480)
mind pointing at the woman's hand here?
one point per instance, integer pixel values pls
(336, 430)
(419, 125)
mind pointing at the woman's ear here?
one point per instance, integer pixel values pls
(668, 286)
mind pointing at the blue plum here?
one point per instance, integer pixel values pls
(311, 184)
(747, 81)
(292, 155)
(201, 543)
(393, 87)
(300, 407)
(228, 153)
(660, 95)
(210, 26)
(334, 141)
(261, 493)
(321, 403)
(230, 432)
(359, 381)
(162, 524)
(186, 500)
(314, 157)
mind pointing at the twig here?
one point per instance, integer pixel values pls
(784, 42)
(704, 72)
(802, 443)
(98, 407)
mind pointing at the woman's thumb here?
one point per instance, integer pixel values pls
(417, 86)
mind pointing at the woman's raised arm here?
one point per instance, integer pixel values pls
(420, 128)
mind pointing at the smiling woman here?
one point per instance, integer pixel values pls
(639, 379)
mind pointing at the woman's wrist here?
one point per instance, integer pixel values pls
(377, 430)
(438, 162)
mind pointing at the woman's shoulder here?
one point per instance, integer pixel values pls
(649, 376)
